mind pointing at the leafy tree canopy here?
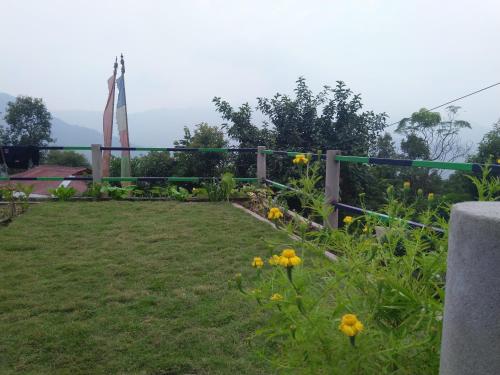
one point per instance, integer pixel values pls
(66, 158)
(428, 136)
(28, 123)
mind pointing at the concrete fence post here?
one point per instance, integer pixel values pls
(332, 186)
(471, 326)
(96, 163)
(261, 164)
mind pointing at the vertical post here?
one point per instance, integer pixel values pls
(471, 329)
(332, 186)
(261, 164)
(96, 163)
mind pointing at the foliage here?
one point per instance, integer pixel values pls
(63, 193)
(393, 282)
(488, 188)
(429, 137)
(66, 158)
(117, 192)
(489, 147)
(152, 164)
(94, 190)
(199, 164)
(220, 190)
(146, 276)
(332, 119)
(28, 123)
(17, 197)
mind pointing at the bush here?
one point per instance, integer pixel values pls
(63, 193)
(393, 283)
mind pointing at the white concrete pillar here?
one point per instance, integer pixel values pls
(471, 327)
(96, 163)
(261, 164)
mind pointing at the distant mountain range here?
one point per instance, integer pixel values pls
(155, 128)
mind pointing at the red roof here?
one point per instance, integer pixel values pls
(41, 187)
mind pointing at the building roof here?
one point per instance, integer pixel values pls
(42, 187)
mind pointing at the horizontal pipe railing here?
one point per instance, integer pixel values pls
(466, 167)
(361, 211)
(384, 217)
(128, 179)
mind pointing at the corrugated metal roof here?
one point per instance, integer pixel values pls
(42, 187)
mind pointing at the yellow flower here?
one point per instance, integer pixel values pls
(294, 261)
(406, 185)
(274, 260)
(498, 161)
(350, 325)
(291, 261)
(274, 214)
(257, 262)
(288, 253)
(430, 196)
(347, 220)
(276, 297)
(300, 159)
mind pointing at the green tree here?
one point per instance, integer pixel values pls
(66, 158)
(429, 137)
(196, 164)
(28, 123)
(239, 128)
(489, 147)
(331, 119)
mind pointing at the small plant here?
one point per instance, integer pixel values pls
(63, 193)
(117, 192)
(227, 185)
(178, 193)
(488, 188)
(220, 191)
(94, 190)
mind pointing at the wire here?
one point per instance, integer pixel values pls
(452, 101)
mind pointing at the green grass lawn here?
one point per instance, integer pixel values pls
(128, 288)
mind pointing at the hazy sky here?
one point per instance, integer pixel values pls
(400, 55)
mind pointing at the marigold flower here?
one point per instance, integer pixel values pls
(274, 260)
(348, 220)
(277, 297)
(288, 253)
(430, 196)
(289, 262)
(274, 214)
(350, 325)
(300, 159)
(257, 262)
(406, 185)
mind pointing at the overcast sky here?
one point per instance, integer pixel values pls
(400, 55)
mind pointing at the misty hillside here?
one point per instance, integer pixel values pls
(64, 134)
(158, 127)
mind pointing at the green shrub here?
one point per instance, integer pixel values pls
(393, 282)
(220, 191)
(63, 193)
